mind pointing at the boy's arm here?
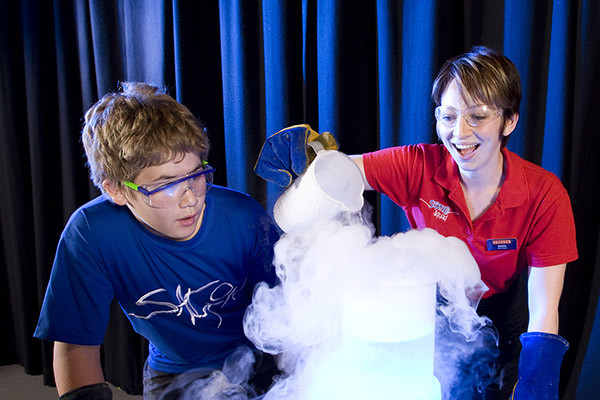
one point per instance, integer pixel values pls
(76, 366)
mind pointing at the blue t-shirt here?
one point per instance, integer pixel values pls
(188, 298)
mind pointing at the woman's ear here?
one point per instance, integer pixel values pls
(510, 125)
(115, 192)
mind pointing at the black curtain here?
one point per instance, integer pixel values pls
(362, 70)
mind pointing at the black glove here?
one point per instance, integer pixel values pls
(97, 391)
(539, 366)
(286, 154)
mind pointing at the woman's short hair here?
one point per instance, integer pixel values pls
(484, 76)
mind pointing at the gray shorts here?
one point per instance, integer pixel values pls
(160, 385)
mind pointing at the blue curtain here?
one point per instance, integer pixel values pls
(361, 70)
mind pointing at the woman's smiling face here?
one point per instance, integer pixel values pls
(473, 148)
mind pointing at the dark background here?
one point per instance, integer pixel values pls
(362, 70)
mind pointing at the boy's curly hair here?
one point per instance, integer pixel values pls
(138, 127)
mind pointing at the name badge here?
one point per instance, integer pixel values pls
(502, 244)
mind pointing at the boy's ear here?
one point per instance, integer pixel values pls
(114, 191)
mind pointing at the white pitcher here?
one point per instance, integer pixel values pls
(331, 184)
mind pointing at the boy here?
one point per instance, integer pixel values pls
(181, 260)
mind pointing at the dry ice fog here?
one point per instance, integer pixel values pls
(355, 316)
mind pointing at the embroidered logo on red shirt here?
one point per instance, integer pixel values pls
(440, 211)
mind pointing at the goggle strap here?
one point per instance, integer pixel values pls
(131, 185)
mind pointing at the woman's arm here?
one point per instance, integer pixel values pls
(544, 289)
(76, 366)
(358, 159)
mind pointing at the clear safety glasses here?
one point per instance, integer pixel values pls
(475, 116)
(171, 193)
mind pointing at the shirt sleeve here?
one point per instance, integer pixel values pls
(77, 302)
(267, 234)
(396, 172)
(553, 237)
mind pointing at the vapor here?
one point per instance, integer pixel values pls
(345, 302)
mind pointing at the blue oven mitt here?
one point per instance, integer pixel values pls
(539, 366)
(286, 154)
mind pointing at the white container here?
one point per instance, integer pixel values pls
(393, 314)
(331, 184)
(388, 341)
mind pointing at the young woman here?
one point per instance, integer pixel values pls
(515, 217)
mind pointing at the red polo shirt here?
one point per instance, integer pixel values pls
(529, 224)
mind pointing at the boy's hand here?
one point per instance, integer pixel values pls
(286, 154)
(539, 366)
